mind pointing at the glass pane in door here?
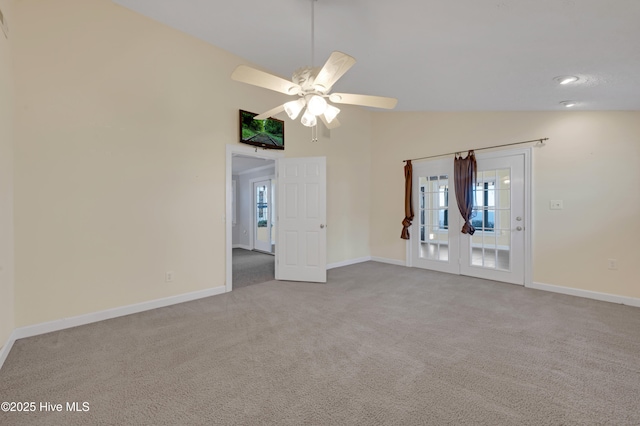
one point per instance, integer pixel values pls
(263, 219)
(434, 217)
(491, 243)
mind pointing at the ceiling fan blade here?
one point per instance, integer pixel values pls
(274, 111)
(334, 123)
(335, 67)
(246, 74)
(363, 100)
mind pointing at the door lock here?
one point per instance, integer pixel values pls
(518, 218)
(321, 226)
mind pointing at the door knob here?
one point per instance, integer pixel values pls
(519, 228)
(321, 226)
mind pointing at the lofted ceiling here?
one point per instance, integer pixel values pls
(436, 55)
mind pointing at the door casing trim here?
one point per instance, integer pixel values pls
(228, 219)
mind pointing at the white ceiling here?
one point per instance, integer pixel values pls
(444, 55)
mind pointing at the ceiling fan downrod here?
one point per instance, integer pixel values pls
(313, 35)
(314, 127)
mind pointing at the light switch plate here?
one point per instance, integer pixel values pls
(555, 205)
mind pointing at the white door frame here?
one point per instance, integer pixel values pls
(252, 237)
(228, 219)
(528, 210)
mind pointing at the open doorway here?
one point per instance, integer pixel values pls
(253, 220)
(301, 241)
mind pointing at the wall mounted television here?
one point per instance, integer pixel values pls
(267, 134)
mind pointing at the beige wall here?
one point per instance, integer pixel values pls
(590, 162)
(6, 182)
(348, 153)
(121, 129)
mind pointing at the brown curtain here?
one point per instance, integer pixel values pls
(408, 202)
(464, 176)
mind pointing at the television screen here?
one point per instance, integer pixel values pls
(268, 134)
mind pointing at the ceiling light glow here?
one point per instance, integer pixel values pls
(308, 119)
(293, 108)
(568, 104)
(566, 79)
(331, 113)
(317, 105)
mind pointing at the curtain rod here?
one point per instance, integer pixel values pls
(479, 149)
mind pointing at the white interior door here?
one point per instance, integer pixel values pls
(262, 216)
(302, 235)
(496, 250)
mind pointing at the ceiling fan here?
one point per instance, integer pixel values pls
(311, 87)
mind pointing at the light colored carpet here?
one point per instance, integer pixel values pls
(251, 267)
(377, 344)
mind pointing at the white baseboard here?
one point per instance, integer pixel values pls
(4, 351)
(389, 261)
(348, 262)
(61, 324)
(242, 246)
(605, 297)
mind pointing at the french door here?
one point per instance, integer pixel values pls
(497, 249)
(434, 245)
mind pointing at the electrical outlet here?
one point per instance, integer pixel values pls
(168, 276)
(612, 264)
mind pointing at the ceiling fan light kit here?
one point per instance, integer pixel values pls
(331, 113)
(293, 108)
(308, 119)
(316, 104)
(312, 86)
